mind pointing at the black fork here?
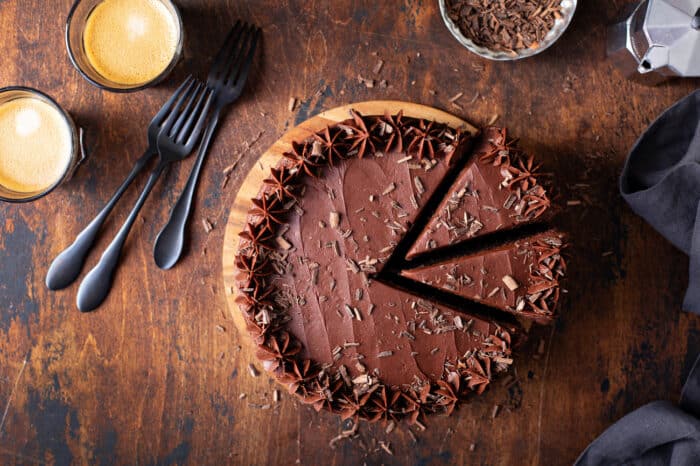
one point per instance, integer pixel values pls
(177, 138)
(67, 265)
(227, 78)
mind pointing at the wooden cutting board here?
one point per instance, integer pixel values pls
(261, 170)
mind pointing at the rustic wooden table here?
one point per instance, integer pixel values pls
(159, 374)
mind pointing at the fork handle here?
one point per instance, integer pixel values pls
(98, 282)
(171, 239)
(66, 267)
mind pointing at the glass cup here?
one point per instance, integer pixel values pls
(77, 155)
(75, 30)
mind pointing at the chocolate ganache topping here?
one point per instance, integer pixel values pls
(520, 277)
(497, 191)
(322, 228)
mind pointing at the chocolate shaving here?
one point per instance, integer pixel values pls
(334, 219)
(456, 97)
(253, 370)
(389, 189)
(419, 185)
(208, 227)
(369, 83)
(510, 283)
(283, 243)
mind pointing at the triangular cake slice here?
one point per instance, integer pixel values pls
(498, 190)
(520, 277)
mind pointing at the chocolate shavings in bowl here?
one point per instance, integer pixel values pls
(505, 25)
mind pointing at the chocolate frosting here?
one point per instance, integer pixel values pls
(521, 277)
(497, 191)
(332, 269)
(324, 224)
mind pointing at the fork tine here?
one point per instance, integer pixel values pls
(168, 107)
(240, 53)
(196, 113)
(186, 111)
(199, 126)
(234, 58)
(219, 65)
(242, 76)
(174, 115)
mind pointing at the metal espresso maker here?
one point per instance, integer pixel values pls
(657, 40)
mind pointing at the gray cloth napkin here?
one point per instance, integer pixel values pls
(658, 433)
(661, 182)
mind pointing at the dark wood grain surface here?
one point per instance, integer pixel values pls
(158, 374)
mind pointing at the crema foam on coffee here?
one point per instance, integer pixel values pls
(130, 42)
(36, 145)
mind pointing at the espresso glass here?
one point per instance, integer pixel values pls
(75, 29)
(78, 153)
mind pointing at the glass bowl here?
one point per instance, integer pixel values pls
(568, 8)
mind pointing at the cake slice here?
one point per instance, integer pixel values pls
(520, 277)
(498, 190)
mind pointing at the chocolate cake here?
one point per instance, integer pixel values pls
(520, 277)
(497, 191)
(315, 266)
